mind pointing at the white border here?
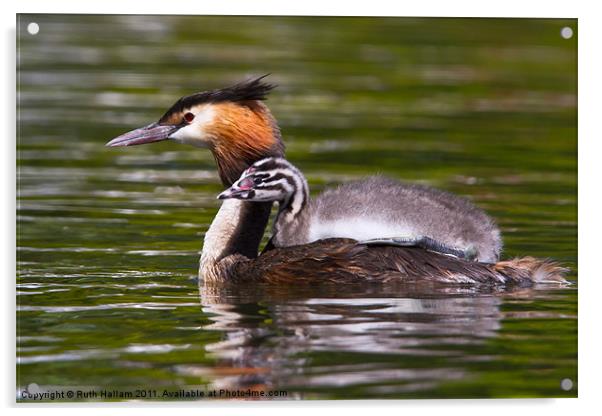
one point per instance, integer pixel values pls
(590, 137)
(457, 8)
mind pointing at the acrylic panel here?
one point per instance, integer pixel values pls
(110, 306)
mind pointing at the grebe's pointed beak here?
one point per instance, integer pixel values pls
(152, 133)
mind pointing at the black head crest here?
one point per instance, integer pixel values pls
(248, 90)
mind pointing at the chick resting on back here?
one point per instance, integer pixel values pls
(379, 207)
(372, 208)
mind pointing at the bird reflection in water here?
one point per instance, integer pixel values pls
(336, 337)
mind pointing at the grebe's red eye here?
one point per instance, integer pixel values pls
(188, 117)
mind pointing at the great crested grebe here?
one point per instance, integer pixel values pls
(376, 210)
(238, 128)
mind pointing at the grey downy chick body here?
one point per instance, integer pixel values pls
(375, 210)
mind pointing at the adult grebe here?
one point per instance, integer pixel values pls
(376, 210)
(238, 128)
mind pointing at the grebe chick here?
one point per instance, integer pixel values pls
(376, 210)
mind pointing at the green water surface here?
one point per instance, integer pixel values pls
(109, 238)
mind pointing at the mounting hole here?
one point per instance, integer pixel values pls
(566, 32)
(33, 28)
(33, 388)
(566, 384)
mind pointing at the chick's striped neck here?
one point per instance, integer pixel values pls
(287, 185)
